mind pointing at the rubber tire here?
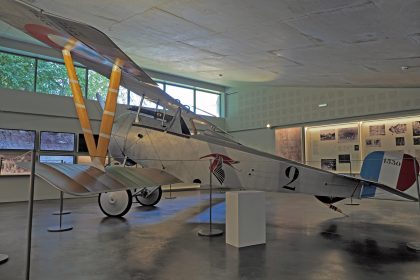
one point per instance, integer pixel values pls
(153, 203)
(127, 208)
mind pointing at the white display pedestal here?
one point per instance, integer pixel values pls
(245, 218)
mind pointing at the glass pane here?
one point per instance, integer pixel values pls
(161, 86)
(97, 84)
(123, 96)
(52, 78)
(17, 72)
(149, 104)
(207, 103)
(134, 99)
(185, 95)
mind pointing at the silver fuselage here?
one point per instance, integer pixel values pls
(148, 144)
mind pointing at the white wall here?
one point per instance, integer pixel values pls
(260, 139)
(254, 106)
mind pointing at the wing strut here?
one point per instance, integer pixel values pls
(109, 112)
(97, 154)
(79, 103)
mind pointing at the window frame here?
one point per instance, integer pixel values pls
(86, 77)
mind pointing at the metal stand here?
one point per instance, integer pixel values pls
(61, 212)
(60, 227)
(170, 193)
(351, 197)
(210, 231)
(415, 245)
(3, 258)
(352, 203)
(30, 216)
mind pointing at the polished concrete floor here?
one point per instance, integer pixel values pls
(305, 240)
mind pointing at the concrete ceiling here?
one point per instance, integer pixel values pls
(351, 43)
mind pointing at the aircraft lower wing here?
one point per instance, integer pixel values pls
(82, 180)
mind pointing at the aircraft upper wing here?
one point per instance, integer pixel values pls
(90, 47)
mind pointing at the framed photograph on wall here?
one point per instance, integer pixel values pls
(375, 130)
(9, 160)
(373, 142)
(17, 139)
(399, 141)
(416, 128)
(327, 135)
(56, 159)
(57, 141)
(329, 164)
(344, 158)
(348, 134)
(416, 140)
(400, 128)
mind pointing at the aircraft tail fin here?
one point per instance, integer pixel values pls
(397, 170)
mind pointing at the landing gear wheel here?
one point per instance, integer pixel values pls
(115, 204)
(151, 200)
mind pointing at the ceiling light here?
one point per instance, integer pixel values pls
(322, 105)
(403, 68)
(268, 125)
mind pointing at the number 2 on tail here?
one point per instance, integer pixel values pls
(292, 173)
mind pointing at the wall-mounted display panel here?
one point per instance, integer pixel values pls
(17, 139)
(289, 143)
(56, 159)
(357, 140)
(334, 147)
(9, 160)
(57, 141)
(397, 134)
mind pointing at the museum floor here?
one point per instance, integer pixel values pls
(305, 240)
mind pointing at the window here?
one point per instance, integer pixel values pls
(123, 96)
(17, 72)
(97, 84)
(52, 78)
(207, 103)
(134, 99)
(185, 95)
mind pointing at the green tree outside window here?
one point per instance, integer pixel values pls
(17, 72)
(52, 78)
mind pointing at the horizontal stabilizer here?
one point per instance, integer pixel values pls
(80, 179)
(383, 187)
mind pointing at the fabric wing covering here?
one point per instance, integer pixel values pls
(80, 180)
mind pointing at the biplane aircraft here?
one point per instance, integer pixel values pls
(171, 143)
